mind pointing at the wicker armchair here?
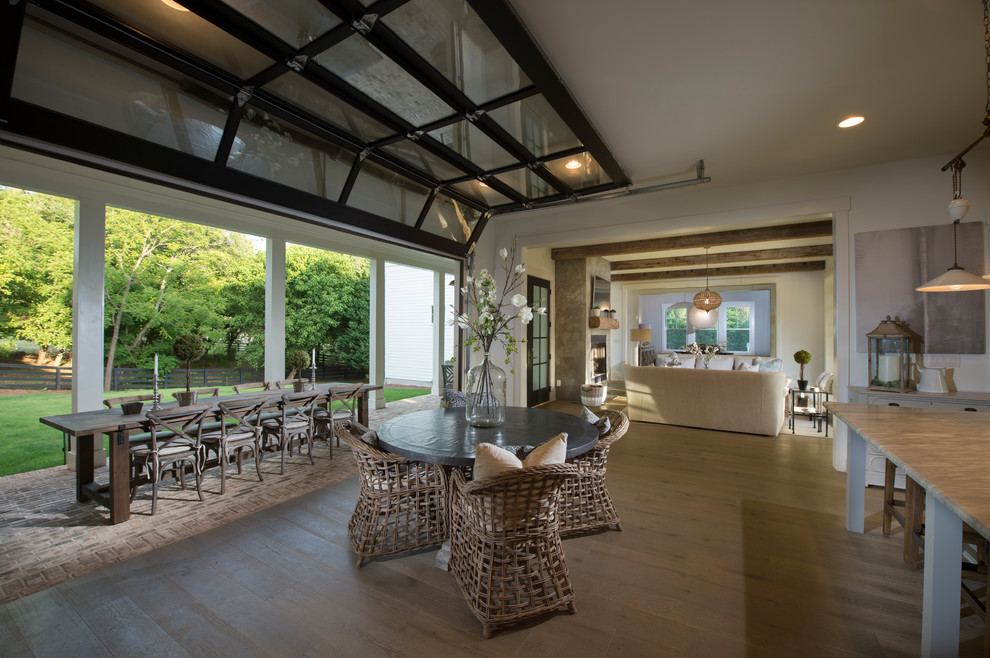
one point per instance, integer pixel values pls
(585, 503)
(402, 504)
(505, 549)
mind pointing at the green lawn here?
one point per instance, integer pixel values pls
(27, 445)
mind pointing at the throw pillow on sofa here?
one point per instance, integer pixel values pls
(603, 424)
(687, 361)
(752, 367)
(771, 365)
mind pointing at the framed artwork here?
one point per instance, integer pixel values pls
(889, 265)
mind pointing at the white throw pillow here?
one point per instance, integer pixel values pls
(740, 361)
(771, 365)
(752, 367)
(687, 361)
(603, 424)
(490, 459)
(721, 363)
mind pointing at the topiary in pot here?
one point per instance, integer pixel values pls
(188, 348)
(297, 361)
(802, 357)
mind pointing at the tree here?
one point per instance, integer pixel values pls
(36, 236)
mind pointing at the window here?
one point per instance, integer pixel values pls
(738, 324)
(674, 333)
(735, 326)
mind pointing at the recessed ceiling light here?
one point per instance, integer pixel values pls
(573, 164)
(174, 5)
(482, 183)
(850, 122)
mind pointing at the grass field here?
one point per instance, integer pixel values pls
(27, 445)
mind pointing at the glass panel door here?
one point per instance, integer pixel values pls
(538, 343)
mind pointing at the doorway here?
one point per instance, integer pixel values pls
(538, 343)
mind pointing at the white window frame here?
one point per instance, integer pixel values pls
(663, 325)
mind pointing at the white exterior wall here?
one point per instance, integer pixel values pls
(409, 323)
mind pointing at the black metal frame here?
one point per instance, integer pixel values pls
(102, 148)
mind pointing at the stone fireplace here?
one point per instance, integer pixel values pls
(581, 353)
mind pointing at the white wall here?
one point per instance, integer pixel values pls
(409, 323)
(877, 197)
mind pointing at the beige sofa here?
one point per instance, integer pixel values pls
(730, 400)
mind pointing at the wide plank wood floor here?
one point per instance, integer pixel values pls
(732, 545)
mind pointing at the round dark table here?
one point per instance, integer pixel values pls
(443, 436)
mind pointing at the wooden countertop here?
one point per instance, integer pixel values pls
(946, 451)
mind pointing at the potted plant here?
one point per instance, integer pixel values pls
(596, 311)
(188, 348)
(803, 358)
(298, 361)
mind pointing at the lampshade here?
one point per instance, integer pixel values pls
(707, 299)
(702, 319)
(641, 335)
(956, 279)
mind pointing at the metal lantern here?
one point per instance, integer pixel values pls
(890, 348)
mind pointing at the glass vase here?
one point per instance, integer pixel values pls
(485, 394)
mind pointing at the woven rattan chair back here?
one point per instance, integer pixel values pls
(293, 425)
(505, 550)
(175, 442)
(402, 503)
(240, 428)
(585, 503)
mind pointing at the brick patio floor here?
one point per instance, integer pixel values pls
(47, 537)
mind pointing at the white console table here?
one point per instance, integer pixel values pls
(956, 401)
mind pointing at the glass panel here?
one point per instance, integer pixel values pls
(297, 22)
(415, 155)
(451, 219)
(536, 126)
(451, 36)
(188, 32)
(737, 340)
(536, 378)
(524, 181)
(481, 193)
(296, 89)
(369, 70)
(737, 317)
(385, 193)
(706, 336)
(579, 171)
(274, 150)
(474, 145)
(86, 81)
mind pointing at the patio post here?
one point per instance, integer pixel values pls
(376, 330)
(274, 309)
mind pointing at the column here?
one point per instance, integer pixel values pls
(438, 332)
(274, 310)
(376, 337)
(87, 316)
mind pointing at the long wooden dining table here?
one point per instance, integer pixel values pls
(86, 426)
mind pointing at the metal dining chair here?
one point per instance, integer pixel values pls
(293, 424)
(174, 443)
(240, 428)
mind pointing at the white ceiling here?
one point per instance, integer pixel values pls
(756, 88)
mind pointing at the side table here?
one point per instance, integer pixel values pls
(816, 412)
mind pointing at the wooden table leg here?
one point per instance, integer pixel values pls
(120, 477)
(84, 465)
(362, 408)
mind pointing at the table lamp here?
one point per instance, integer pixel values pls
(641, 335)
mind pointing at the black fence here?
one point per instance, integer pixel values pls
(122, 379)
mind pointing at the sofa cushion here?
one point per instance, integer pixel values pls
(687, 361)
(721, 363)
(603, 424)
(739, 361)
(749, 367)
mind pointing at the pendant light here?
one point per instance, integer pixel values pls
(956, 278)
(708, 300)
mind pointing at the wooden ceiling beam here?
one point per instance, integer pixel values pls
(817, 229)
(776, 268)
(812, 251)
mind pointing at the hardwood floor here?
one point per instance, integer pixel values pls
(731, 545)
